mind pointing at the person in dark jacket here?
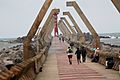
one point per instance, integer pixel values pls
(84, 53)
(62, 38)
(78, 55)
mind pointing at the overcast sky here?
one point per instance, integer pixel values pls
(17, 16)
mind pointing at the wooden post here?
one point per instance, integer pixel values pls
(34, 28)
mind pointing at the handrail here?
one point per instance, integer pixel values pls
(103, 55)
(27, 69)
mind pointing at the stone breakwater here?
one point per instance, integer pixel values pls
(12, 55)
(110, 48)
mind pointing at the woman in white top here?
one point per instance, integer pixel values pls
(70, 54)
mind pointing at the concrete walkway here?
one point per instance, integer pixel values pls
(57, 67)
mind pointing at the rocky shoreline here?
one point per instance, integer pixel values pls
(110, 48)
(12, 55)
(18, 40)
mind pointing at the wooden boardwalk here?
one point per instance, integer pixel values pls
(75, 71)
(58, 68)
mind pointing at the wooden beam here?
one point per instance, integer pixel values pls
(87, 23)
(49, 30)
(38, 43)
(45, 27)
(66, 35)
(63, 25)
(34, 28)
(61, 29)
(117, 4)
(70, 27)
(82, 37)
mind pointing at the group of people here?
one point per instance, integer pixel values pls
(80, 54)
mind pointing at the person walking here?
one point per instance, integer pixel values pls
(84, 53)
(78, 55)
(62, 39)
(70, 54)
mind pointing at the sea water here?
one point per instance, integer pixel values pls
(110, 41)
(113, 40)
(4, 43)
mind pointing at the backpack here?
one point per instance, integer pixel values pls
(70, 51)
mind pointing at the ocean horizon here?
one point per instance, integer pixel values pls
(4, 43)
(113, 40)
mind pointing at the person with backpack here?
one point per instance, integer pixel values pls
(70, 54)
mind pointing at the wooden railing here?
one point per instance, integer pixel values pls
(28, 69)
(103, 55)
